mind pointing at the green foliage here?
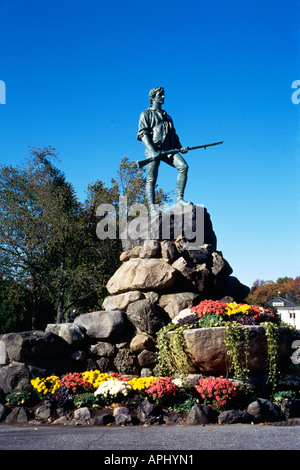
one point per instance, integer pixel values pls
(237, 350)
(211, 320)
(184, 403)
(50, 254)
(20, 397)
(272, 335)
(86, 399)
(284, 395)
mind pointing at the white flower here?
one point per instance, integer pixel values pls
(178, 382)
(113, 387)
(184, 313)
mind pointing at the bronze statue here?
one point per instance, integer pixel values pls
(157, 132)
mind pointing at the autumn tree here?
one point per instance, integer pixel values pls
(263, 291)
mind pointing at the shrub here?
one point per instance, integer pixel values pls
(20, 397)
(86, 399)
(161, 389)
(284, 395)
(216, 391)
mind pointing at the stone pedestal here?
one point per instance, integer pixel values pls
(206, 350)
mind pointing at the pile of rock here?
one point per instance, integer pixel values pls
(158, 277)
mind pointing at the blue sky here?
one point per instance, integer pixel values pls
(77, 76)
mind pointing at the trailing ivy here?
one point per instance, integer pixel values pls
(272, 336)
(165, 358)
(237, 343)
(171, 356)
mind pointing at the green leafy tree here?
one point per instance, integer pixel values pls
(41, 229)
(48, 239)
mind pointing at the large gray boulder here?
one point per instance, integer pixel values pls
(145, 316)
(73, 334)
(34, 347)
(17, 377)
(103, 325)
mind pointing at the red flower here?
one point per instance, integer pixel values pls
(209, 306)
(216, 390)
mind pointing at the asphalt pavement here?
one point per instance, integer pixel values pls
(161, 439)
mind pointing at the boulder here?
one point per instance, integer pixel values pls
(191, 222)
(169, 251)
(34, 347)
(175, 303)
(121, 301)
(234, 417)
(263, 410)
(148, 413)
(122, 416)
(3, 412)
(145, 316)
(196, 276)
(206, 350)
(103, 325)
(19, 415)
(234, 288)
(147, 358)
(43, 411)
(16, 377)
(4, 359)
(101, 349)
(126, 362)
(150, 249)
(201, 414)
(142, 274)
(73, 334)
(140, 342)
(82, 413)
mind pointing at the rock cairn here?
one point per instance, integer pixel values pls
(157, 278)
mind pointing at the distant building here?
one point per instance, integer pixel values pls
(289, 312)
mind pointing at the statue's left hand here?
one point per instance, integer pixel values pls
(184, 150)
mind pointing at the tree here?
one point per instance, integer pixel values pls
(41, 229)
(48, 240)
(131, 182)
(263, 291)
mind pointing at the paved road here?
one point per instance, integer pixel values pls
(156, 438)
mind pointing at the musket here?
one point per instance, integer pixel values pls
(141, 163)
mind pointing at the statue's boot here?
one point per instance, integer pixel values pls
(150, 194)
(181, 183)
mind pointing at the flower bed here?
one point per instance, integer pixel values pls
(230, 327)
(216, 338)
(161, 397)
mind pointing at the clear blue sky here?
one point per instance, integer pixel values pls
(78, 73)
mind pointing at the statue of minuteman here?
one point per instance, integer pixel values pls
(157, 132)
